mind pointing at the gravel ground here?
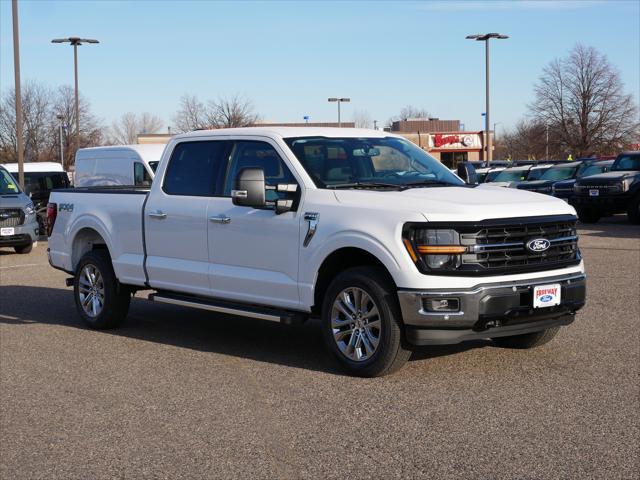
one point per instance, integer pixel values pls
(179, 393)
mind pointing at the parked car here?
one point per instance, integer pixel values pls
(616, 191)
(564, 188)
(117, 165)
(509, 177)
(488, 174)
(361, 228)
(552, 175)
(39, 179)
(18, 223)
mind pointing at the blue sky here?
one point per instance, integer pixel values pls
(288, 57)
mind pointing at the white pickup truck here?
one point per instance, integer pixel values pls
(360, 228)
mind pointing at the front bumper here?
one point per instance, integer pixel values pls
(610, 203)
(23, 235)
(489, 310)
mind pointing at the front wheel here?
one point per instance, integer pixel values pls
(528, 340)
(361, 323)
(24, 249)
(633, 212)
(587, 215)
(100, 301)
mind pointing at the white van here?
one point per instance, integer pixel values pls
(117, 165)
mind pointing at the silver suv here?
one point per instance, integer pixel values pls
(18, 223)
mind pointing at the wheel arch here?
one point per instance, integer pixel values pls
(85, 240)
(338, 261)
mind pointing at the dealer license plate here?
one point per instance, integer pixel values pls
(6, 231)
(546, 295)
(594, 192)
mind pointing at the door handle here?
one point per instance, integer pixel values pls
(220, 219)
(158, 214)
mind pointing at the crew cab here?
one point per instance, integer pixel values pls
(360, 228)
(616, 191)
(564, 188)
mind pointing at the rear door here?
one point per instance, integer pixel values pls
(254, 253)
(176, 226)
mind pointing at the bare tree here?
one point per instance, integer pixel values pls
(126, 129)
(362, 119)
(581, 98)
(526, 141)
(191, 115)
(91, 128)
(407, 112)
(230, 112)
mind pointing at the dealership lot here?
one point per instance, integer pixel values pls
(179, 393)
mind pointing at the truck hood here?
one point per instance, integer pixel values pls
(607, 178)
(462, 204)
(14, 200)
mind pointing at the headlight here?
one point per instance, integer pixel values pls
(434, 249)
(29, 209)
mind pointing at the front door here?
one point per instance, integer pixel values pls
(254, 253)
(176, 226)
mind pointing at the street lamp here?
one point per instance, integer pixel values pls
(75, 42)
(485, 37)
(339, 100)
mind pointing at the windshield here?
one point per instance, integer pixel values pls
(559, 173)
(491, 176)
(153, 166)
(8, 185)
(626, 162)
(376, 162)
(590, 170)
(511, 176)
(536, 173)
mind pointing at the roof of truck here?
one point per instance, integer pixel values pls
(35, 167)
(148, 152)
(286, 132)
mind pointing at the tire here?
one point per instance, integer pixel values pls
(364, 289)
(633, 212)
(24, 249)
(528, 340)
(588, 216)
(95, 276)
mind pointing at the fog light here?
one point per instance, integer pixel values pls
(441, 304)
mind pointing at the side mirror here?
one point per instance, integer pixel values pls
(467, 172)
(250, 189)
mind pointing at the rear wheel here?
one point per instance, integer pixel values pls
(24, 249)
(101, 302)
(361, 323)
(587, 215)
(528, 340)
(633, 212)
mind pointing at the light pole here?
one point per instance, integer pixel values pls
(75, 42)
(339, 101)
(16, 70)
(546, 148)
(375, 124)
(485, 37)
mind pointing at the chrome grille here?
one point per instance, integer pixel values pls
(11, 217)
(503, 247)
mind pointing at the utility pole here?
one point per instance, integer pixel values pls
(485, 38)
(60, 118)
(16, 70)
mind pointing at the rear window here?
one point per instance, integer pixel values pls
(196, 168)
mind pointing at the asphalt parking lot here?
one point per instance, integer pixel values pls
(179, 393)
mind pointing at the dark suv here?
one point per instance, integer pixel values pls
(554, 174)
(617, 191)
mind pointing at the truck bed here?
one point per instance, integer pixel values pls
(115, 213)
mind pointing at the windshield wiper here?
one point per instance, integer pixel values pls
(395, 186)
(429, 183)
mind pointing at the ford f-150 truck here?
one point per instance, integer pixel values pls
(360, 228)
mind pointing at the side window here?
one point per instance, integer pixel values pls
(247, 154)
(196, 168)
(140, 175)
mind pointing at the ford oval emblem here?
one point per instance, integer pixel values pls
(546, 298)
(538, 245)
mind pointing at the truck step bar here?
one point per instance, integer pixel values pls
(229, 308)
